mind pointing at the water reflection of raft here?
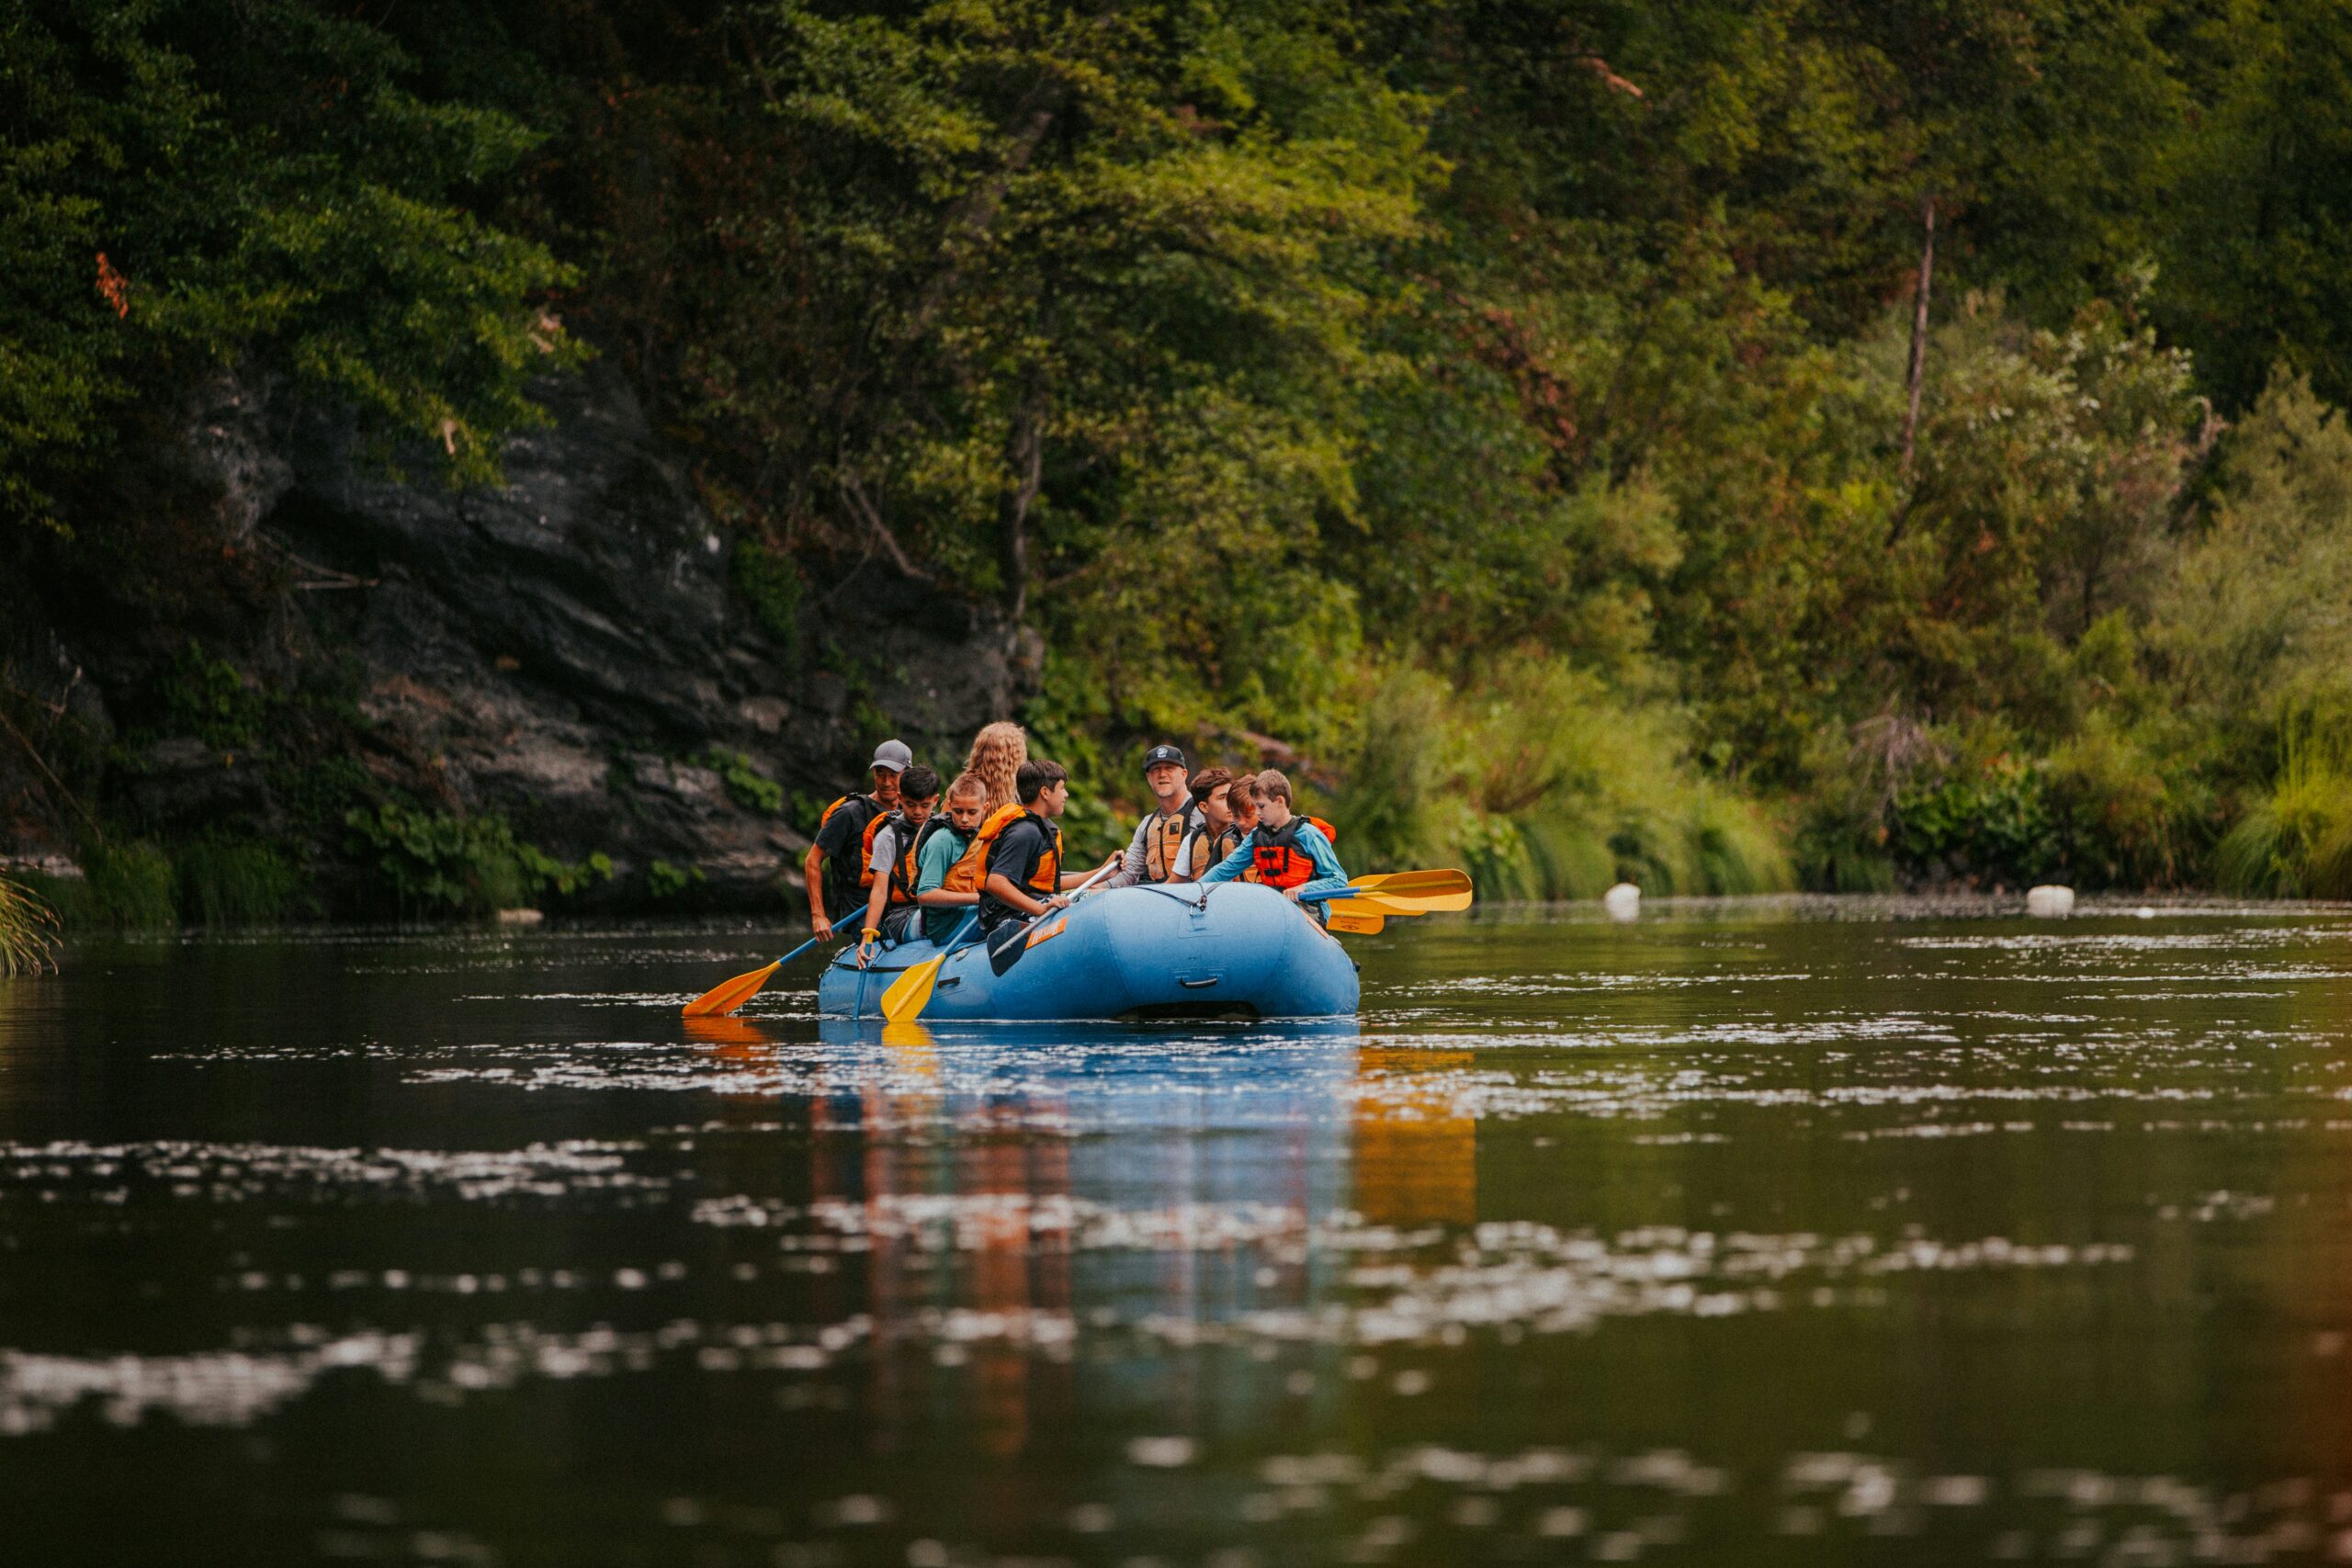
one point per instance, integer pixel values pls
(1134, 952)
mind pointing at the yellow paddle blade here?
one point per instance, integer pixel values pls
(1418, 903)
(1372, 904)
(910, 992)
(1415, 884)
(1359, 925)
(1368, 903)
(728, 995)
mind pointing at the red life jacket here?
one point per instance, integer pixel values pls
(1277, 858)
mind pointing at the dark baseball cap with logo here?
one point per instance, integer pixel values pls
(1159, 754)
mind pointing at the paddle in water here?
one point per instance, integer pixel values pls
(910, 992)
(728, 995)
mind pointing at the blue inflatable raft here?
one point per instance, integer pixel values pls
(1241, 951)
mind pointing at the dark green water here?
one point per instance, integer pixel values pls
(1739, 1235)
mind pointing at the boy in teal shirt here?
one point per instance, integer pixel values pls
(943, 910)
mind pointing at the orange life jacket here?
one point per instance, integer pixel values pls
(1163, 839)
(1278, 860)
(909, 867)
(902, 865)
(971, 868)
(1047, 877)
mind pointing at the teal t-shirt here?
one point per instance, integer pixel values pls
(938, 858)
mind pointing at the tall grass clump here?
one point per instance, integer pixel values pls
(1543, 784)
(123, 886)
(236, 882)
(26, 924)
(2296, 842)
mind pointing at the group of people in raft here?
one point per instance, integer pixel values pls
(914, 851)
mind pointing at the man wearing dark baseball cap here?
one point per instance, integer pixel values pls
(835, 868)
(1167, 845)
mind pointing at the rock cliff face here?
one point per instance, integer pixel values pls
(565, 650)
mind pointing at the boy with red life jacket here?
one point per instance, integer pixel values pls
(890, 844)
(944, 844)
(1166, 846)
(1025, 877)
(1286, 851)
(835, 868)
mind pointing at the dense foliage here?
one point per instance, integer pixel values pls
(1500, 403)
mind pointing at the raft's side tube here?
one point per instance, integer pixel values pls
(1243, 949)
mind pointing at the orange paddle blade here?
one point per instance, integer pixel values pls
(1357, 925)
(728, 995)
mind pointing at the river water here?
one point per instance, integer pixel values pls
(1746, 1234)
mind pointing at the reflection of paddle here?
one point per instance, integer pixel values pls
(727, 1034)
(726, 997)
(910, 992)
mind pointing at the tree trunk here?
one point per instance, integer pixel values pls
(1026, 451)
(1919, 374)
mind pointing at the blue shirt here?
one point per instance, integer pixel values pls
(1329, 875)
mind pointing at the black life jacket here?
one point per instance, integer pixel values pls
(1277, 858)
(866, 811)
(1046, 880)
(902, 864)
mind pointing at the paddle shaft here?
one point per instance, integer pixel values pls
(815, 940)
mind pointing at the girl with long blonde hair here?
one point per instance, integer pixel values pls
(997, 751)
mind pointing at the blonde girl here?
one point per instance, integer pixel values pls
(997, 751)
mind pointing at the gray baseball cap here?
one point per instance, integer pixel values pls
(1159, 754)
(893, 755)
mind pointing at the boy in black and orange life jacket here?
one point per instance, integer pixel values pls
(1286, 851)
(1166, 846)
(1024, 875)
(890, 844)
(834, 868)
(1214, 790)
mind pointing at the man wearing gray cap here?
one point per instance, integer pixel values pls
(1167, 845)
(835, 868)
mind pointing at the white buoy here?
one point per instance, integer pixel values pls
(520, 917)
(2050, 902)
(1623, 901)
